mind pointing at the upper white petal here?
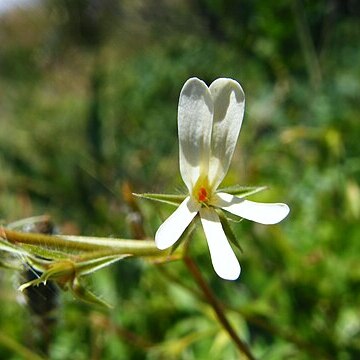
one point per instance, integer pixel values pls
(172, 228)
(263, 213)
(195, 113)
(229, 104)
(222, 255)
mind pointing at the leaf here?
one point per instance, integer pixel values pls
(175, 200)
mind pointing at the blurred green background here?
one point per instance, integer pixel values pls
(88, 105)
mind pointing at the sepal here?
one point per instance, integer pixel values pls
(227, 229)
(242, 191)
(174, 200)
(184, 236)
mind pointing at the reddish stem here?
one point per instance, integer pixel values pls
(217, 307)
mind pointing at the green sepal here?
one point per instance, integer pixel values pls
(43, 252)
(66, 269)
(227, 229)
(10, 265)
(11, 248)
(66, 260)
(242, 191)
(82, 293)
(73, 284)
(174, 200)
(22, 223)
(67, 273)
(89, 263)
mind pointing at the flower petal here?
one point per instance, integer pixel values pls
(222, 255)
(172, 228)
(195, 114)
(263, 213)
(229, 105)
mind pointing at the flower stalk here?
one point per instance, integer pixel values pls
(68, 259)
(217, 307)
(71, 243)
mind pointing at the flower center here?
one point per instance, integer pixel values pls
(202, 194)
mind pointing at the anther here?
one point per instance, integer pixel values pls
(202, 194)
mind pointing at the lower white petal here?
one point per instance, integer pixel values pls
(173, 227)
(222, 255)
(263, 213)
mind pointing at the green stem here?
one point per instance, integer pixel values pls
(307, 44)
(252, 318)
(217, 307)
(102, 323)
(83, 243)
(17, 348)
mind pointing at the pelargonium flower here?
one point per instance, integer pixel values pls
(209, 122)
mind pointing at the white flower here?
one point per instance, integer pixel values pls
(209, 122)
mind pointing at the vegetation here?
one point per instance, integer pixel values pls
(88, 107)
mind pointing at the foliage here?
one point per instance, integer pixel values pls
(86, 123)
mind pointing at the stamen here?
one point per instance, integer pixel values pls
(202, 194)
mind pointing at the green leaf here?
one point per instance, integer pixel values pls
(175, 200)
(242, 191)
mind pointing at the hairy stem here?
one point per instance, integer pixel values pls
(82, 243)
